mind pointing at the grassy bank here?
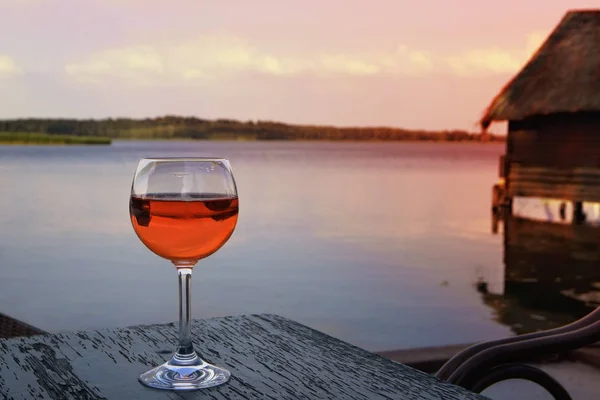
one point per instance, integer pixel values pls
(45, 138)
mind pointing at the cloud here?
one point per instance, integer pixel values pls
(8, 67)
(494, 60)
(212, 57)
(137, 64)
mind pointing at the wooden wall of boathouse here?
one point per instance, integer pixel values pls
(554, 156)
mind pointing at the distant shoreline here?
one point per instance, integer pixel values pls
(193, 128)
(42, 139)
(92, 141)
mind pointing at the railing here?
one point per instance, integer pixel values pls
(485, 364)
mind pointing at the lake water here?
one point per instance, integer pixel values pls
(375, 243)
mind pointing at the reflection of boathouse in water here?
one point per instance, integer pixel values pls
(553, 158)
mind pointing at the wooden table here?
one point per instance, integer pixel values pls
(270, 357)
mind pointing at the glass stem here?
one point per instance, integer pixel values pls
(185, 351)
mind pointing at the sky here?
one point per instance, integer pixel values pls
(434, 64)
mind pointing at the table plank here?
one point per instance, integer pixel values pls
(270, 357)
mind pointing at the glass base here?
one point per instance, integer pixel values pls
(190, 375)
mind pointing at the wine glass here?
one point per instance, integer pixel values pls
(184, 209)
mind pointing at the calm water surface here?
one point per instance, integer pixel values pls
(378, 244)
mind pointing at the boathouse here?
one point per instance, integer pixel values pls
(552, 106)
(553, 111)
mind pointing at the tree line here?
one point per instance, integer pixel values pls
(178, 127)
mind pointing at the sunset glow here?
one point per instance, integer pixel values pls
(426, 65)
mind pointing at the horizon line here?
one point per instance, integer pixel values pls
(254, 121)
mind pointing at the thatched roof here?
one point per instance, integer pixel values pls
(562, 76)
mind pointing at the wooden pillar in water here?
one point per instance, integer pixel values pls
(578, 214)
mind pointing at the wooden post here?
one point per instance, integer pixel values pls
(578, 214)
(502, 166)
(499, 203)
